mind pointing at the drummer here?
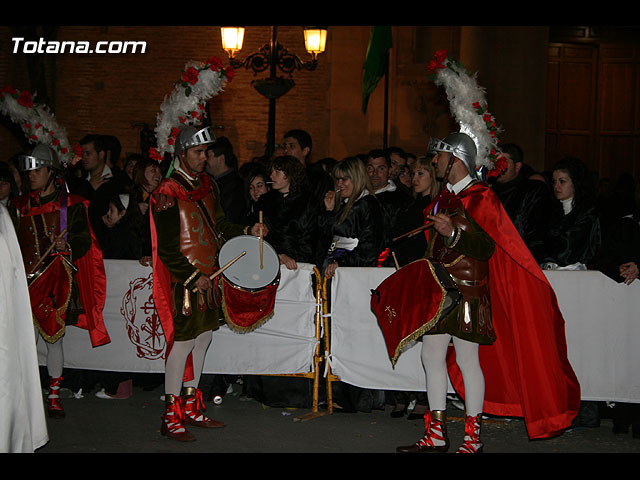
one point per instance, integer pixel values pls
(188, 227)
(495, 330)
(465, 248)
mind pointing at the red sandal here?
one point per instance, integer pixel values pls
(472, 443)
(435, 439)
(172, 420)
(193, 408)
(54, 406)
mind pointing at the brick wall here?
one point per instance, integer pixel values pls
(117, 93)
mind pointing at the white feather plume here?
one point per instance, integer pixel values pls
(178, 107)
(467, 103)
(37, 122)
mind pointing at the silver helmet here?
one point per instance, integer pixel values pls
(191, 136)
(41, 156)
(461, 146)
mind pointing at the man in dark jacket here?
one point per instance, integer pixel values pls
(526, 201)
(222, 165)
(394, 201)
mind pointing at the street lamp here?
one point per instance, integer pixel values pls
(273, 55)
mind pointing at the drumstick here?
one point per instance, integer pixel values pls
(222, 269)
(44, 255)
(414, 231)
(419, 229)
(261, 246)
(395, 260)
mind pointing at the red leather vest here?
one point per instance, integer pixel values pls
(198, 231)
(198, 240)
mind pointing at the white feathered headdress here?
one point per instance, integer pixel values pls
(467, 103)
(37, 122)
(185, 105)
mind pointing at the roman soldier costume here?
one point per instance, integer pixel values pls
(188, 226)
(506, 305)
(66, 287)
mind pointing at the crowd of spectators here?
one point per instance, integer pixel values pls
(350, 212)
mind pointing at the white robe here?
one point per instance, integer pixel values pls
(23, 426)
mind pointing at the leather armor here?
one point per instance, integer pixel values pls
(470, 275)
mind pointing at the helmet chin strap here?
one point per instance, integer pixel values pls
(185, 167)
(445, 179)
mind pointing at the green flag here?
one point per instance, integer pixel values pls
(376, 63)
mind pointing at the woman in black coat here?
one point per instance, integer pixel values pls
(424, 187)
(287, 212)
(574, 235)
(353, 217)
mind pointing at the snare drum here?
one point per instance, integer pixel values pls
(246, 273)
(248, 289)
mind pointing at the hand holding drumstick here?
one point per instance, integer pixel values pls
(203, 283)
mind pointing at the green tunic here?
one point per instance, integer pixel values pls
(168, 228)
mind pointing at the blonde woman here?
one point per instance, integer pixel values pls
(353, 217)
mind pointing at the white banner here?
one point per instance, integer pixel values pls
(602, 327)
(602, 323)
(284, 344)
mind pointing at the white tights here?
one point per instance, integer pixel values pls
(175, 365)
(55, 357)
(434, 350)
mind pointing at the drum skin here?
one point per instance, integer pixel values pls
(246, 273)
(248, 289)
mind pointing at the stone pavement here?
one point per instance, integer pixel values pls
(95, 425)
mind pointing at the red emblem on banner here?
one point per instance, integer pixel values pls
(143, 323)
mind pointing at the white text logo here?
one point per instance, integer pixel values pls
(68, 46)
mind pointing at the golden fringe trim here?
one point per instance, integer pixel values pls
(412, 337)
(237, 328)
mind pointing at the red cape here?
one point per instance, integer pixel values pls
(91, 276)
(161, 277)
(527, 371)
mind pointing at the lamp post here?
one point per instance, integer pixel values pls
(273, 56)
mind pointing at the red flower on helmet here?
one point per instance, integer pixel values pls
(438, 61)
(25, 99)
(155, 154)
(190, 75)
(215, 63)
(499, 167)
